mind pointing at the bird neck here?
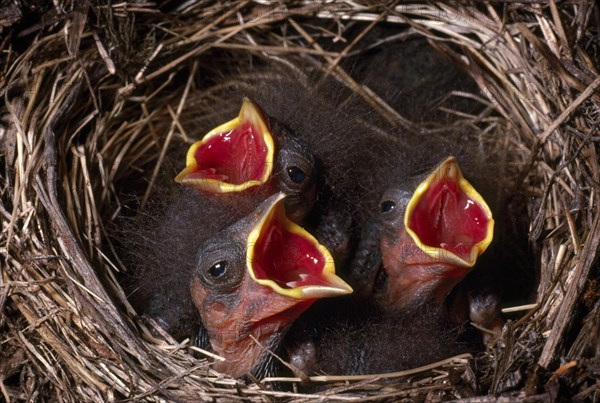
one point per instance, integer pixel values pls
(244, 344)
(415, 277)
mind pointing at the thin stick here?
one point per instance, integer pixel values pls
(408, 372)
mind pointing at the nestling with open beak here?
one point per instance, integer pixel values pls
(253, 279)
(432, 238)
(253, 156)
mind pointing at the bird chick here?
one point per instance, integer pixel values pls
(432, 238)
(253, 279)
(253, 156)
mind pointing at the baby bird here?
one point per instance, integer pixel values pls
(253, 279)
(432, 238)
(253, 156)
(426, 240)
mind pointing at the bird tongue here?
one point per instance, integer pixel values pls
(448, 219)
(289, 260)
(232, 157)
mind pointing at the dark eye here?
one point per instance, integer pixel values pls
(296, 174)
(218, 269)
(387, 206)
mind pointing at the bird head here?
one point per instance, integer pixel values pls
(253, 154)
(432, 238)
(253, 279)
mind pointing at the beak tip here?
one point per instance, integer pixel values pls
(326, 291)
(180, 178)
(335, 285)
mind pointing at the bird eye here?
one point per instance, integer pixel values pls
(218, 269)
(296, 174)
(387, 206)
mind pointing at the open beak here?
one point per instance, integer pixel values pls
(232, 157)
(448, 219)
(284, 257)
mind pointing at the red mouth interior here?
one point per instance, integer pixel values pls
(236, 156)
(447, 218)
(289, 259)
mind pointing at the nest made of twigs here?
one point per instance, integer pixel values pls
(92, 94)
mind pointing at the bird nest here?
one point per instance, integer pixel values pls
(92, 96)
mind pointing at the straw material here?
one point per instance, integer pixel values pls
(92, 96)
